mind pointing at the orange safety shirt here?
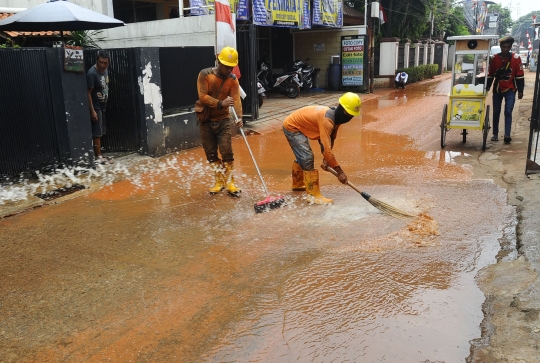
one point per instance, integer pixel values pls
(208, 84)
(313, 123)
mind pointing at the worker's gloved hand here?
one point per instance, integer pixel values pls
(324, 165)
(239, 123)
(342, 177)
(520, 95)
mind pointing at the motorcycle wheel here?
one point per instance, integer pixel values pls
(261, 98)
(308, 85)
(292, 90)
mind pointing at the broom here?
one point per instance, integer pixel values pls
(269, 202)
(383, 207)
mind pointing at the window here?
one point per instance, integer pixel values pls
(135, 11)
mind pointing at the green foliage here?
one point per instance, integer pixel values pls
(406, 18)
(417, 74)
(9, 44)
(505, 18)
(521, 26)
(86, 38)
(456, 22)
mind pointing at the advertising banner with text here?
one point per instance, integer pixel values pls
(328, 13)
(353, 57)
(282, 13)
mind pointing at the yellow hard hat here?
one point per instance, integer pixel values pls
(228, 56)
(351, 103)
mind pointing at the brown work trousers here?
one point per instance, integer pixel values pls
(216, 135)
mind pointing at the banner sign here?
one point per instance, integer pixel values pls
(281, 13)
(242, 9)
(352, 60)
(204, 7)
(328, 13)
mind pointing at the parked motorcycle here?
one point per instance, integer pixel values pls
(306, 72)
(288, 84)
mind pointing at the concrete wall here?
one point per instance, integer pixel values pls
(304, 42)
(185, 31)
(188, 31)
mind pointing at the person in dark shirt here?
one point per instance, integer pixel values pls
(97, 80)
(507, 77)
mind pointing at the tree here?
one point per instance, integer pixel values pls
(505, 18)
(456, 22)
(522, 26)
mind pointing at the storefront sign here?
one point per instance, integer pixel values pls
(352, 60)
(328, 13)
(318, 47)
(73, 59)
(281, 13)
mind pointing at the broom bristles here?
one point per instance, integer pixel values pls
(388, 209)
(269, 203)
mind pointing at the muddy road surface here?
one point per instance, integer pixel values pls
(154, 269)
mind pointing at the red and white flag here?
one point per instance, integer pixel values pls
(382, 15)
(225, 29)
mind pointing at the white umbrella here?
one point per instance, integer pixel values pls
(58, 15)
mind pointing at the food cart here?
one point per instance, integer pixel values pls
(467, 109)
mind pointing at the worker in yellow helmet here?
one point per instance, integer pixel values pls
(219, 89)
(317, 123)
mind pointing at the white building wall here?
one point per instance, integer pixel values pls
(184, 31)
(388, 58)
(179, 32)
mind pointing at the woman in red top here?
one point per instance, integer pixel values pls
(506, 75)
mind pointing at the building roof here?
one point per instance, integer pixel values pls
(14, 34)
(352, 15)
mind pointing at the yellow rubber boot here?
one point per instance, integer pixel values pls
(311, 180)
(297, 177)
(218, 174)
(229, 179)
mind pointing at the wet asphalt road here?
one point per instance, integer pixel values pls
(154, 269)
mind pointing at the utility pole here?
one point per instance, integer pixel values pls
(371, 46)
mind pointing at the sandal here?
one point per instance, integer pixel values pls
(507, 139)
(495, 138)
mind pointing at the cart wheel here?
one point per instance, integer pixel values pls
(443, 126)
(487, 126)
(464, 133)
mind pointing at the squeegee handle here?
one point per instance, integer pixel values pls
(251, 153)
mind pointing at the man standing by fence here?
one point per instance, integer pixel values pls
(97, 80)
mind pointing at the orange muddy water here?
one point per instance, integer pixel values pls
(155, 269)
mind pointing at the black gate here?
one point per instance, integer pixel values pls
(246, 42)
(29, 139)
(401, 57)
(123, 131)
(412, 53)
(421, 55)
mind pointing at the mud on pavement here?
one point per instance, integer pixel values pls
(148, 267)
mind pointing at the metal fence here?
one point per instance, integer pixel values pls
(123, 131)
(401, 56)
(412, 53)
(28, 140)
